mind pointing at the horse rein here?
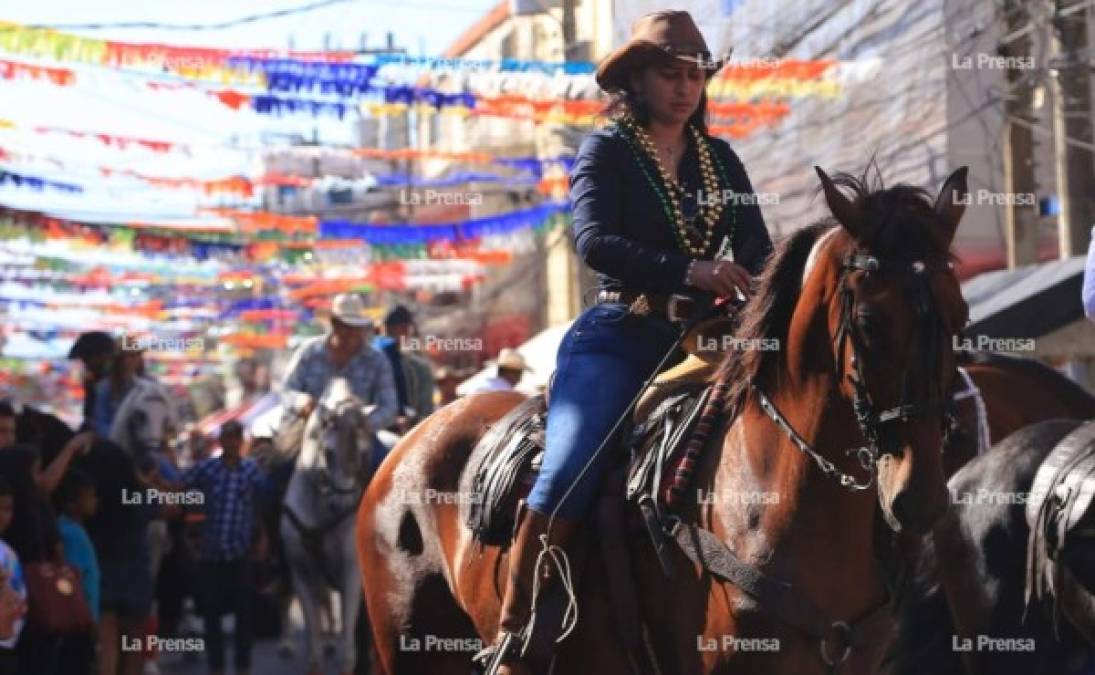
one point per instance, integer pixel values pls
(868, 418)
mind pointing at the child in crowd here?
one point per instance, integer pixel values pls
(77, 500)
(12, 608)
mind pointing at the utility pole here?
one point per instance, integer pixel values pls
(1071, 122)
(569, 31)
(1021, 218)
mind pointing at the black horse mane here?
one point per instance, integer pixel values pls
(768, 312)
(895, 230)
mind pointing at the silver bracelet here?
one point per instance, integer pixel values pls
(688, 272)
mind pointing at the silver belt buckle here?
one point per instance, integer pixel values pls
(675, 307)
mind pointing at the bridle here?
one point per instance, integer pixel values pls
(324, 482)
(870, 419)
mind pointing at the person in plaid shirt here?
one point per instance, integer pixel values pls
(228, 484)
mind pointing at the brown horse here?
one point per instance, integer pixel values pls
(1015, 392)
(864, 310)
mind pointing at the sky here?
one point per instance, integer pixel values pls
(423, 27)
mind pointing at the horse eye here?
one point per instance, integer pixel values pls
(871, 328)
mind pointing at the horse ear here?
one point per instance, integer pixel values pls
(952, 200)
(847, 213)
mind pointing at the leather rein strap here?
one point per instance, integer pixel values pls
(836, 638)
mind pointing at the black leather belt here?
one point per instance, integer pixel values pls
(671, 307)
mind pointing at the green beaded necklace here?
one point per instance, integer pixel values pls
(661, 191)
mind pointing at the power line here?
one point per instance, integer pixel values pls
(231, 23)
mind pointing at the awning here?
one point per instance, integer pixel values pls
(246, 413)
(1025, 302)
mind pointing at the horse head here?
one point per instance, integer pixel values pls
(337, 442)
(145, 420)
(892, 306)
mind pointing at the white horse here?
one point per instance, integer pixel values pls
(144, 424)
(144, 420)
(317, 523)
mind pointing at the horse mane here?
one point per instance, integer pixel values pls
(767, 314)
(894, 230)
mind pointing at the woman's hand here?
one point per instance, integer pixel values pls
(720, 277)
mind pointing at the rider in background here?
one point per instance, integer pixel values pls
(413, 373)
(344, 352)
(111, 390)
(660, 207)
(96, 350)
(510, 367)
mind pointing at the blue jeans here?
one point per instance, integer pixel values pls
(602, 362)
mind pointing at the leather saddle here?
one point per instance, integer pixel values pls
(1060, 498)
(506, 461)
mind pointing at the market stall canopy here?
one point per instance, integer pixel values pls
(1025, 302)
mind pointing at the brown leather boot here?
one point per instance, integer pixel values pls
(517, 598)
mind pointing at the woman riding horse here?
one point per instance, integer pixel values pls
(658, 210)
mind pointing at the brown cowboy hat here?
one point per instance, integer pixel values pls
(669, 32)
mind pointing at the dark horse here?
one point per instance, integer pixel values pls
(864, 309)
(962, 608)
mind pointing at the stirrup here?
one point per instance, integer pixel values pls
(506, 649)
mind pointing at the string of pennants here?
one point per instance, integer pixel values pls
(507, 89)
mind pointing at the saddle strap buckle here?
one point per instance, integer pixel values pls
(679, 308)
(507, 649)
(841, 631)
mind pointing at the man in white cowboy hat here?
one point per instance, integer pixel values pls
(344, 352)
(511, 367)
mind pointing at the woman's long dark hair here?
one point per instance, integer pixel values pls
(33, 530)
(628, 101)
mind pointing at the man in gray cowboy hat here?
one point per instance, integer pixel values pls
(345, 352)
